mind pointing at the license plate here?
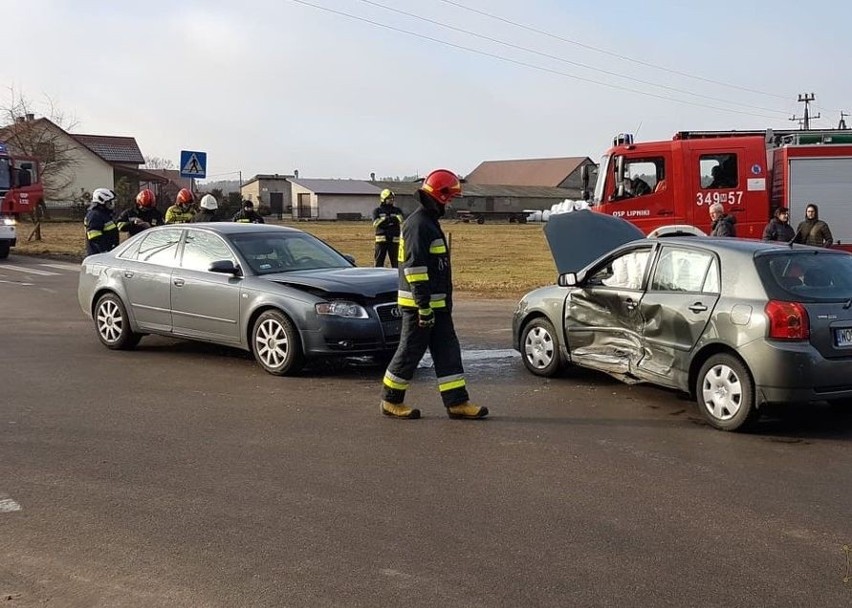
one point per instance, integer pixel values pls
(843, 337)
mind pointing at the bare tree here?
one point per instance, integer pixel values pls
(44, 138)
(155, 162)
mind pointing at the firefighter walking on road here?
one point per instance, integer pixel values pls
(101, 230)
(387, 220)
(426, 300)
(142, 215)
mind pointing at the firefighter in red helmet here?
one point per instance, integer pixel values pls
(142, 215)
(425, 298)
(182, 211)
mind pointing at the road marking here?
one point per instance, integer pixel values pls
(35, 271)
(7, 505)
(477, 355)
(71, 267)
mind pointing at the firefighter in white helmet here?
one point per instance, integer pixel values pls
(101, 229)
(207, 213)
(387, 219)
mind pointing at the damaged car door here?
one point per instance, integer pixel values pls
(681, 295)
(603, 318)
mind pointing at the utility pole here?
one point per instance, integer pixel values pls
(805, 122)
(842, 123)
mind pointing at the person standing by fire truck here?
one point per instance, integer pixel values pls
(101, 231)
(812, 230)
(425, 298)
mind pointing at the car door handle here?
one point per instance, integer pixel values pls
(630, 304)
(178, 282)
(128, 274)
(698, 307)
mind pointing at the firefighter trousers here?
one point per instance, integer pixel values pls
(444, 347)
(389, 249)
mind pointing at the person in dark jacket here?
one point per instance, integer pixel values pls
(387, 220)
(812, 230)
(207, 213)
(779, 228)
(723, 224)
(101, 231)
(247, 215)
(425, 298)
(142, 215)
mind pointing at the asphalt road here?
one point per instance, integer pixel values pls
(182, 475)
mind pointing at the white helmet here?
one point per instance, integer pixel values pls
(208, 201)
(103, 196)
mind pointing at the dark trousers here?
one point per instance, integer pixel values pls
(444, 347)
(390, 249)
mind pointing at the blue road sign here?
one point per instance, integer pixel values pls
(193, 164)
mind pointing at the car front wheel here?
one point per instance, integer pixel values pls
(275, 344)
(725, 393)
(113, 325)
(540, 348)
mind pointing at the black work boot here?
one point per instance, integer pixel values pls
(467, 411)
(399, 410)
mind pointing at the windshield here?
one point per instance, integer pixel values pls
(5, 174)
(268, 252)
(807, 276)
(599, 184)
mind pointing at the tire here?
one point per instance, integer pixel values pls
(480, 220)
(539, 348)
(275, 344)
(5, 246)
(113, 325)
(724, 391)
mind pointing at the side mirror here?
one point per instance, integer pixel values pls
(350, 259)
(568, 279)
(225, 267)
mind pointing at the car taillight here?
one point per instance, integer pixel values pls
(787, 321)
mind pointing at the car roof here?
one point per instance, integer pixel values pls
(230, 228)
(753, 246)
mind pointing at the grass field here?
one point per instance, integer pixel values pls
(489, 260)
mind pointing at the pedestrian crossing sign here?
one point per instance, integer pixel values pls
(193, 164)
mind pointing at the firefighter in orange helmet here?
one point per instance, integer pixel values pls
(425, 298)
(141, 216)
(182, 211)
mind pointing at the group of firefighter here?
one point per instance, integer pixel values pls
(416, 246)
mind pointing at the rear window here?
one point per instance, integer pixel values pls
(818, 276)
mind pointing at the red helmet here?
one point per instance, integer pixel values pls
(184, 197)
(443, 185)
(146, 198)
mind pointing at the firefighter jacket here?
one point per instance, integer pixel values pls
(101, 230)
(179, 215)
(133, 220)
(425, 277)
(204, 215)
(248, 217)
(387, 220)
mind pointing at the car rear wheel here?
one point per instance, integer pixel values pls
(275, 344)
(113, 325)
(725, 393)
(540, 348)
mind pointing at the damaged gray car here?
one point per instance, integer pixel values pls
(278, 292)
(738, 324)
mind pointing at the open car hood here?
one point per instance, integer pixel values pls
(578, 238)
(368, 282)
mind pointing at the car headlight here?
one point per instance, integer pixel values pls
(340, 308)
(9, 221)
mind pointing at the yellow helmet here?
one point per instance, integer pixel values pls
(387, 194)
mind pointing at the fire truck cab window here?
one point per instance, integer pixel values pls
(642, 176)
(718, 171)
(5, 174)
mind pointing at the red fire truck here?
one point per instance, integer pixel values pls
(21, 194)
(653, 184)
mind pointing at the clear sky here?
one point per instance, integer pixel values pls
(273, 86)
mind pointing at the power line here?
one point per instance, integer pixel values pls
(529, 65)
(611, 53)
(568, 61)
